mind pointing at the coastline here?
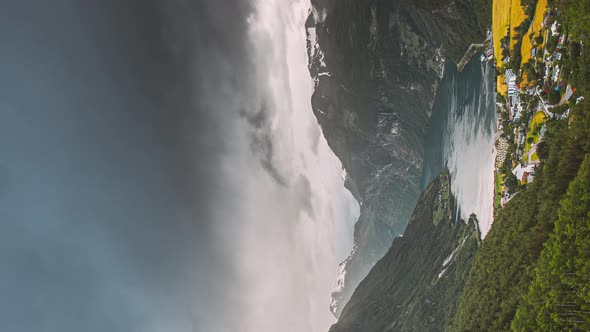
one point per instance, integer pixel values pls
(471, 51)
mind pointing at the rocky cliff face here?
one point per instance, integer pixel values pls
(376, 67)
(416, 285)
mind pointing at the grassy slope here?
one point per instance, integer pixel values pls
(498, 189)
(526, 48)
(517, 16)
(407, 289)
(506, 14)
(538, 118)
(500, 24)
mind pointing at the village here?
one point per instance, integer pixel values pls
(532, 88)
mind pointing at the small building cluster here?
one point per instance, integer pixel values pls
(502, 150)
(524, 174)
(529, 104)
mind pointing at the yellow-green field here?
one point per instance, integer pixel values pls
(500, 24)
(536, 25)
(505, 14)
(538, 119)
(499, 188)
(517, 16)
(501, 86)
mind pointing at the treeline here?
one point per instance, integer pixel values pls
(558, 299)
(574, 16)
(532, 272)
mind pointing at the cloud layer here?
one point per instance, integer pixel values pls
(161, 169)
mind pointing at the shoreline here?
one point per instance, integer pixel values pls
(471, 51)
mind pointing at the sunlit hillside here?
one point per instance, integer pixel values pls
(534, 28)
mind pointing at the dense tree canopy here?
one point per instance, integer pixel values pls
(559, 297)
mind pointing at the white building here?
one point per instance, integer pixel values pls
(511, 81)
(502, 150)
(569, 92)
(555, 76)
(554, 28)
(524, 174)
(512, 87)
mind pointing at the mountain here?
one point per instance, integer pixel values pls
(416, 285)
(376, 67)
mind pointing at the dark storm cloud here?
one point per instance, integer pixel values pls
(259, 120)
(134, 194)
(261, 142)
(104, 205)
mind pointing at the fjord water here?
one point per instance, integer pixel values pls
(461, 137)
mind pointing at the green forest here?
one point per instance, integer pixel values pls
(532, 272)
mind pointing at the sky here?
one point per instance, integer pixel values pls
(161, 169)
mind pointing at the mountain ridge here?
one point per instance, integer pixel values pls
(414, 286)
(376, 67)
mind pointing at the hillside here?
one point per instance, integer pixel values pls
(377, 66)
(415, 286)
(531, 273)
(505, 265)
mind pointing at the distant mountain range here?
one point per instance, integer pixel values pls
(376, 67)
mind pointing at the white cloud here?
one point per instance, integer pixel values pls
(288, 221)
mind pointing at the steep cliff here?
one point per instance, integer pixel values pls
(416, 285)
(376, 67)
